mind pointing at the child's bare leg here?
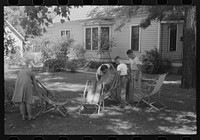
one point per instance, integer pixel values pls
(29, 110)
(22, 110)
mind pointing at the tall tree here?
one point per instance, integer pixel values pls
(186, 13)
(189, 48)
(14, 15)
(31, 21)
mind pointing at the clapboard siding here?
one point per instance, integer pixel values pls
(148, 38)
(76, 32)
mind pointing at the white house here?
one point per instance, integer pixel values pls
(165, 36)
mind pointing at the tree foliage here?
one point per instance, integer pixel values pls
(106, 44)
(14, 15)
(31, 21)
(126, 13)
(9, 46)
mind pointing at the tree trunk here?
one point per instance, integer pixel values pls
(189, 49)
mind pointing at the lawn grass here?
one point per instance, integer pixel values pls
(178, 118)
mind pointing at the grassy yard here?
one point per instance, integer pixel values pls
(178, 118)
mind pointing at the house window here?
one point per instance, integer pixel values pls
(172, 37)
(88, 39)
(65, 33)
(135, 38)
(105, 38)
(92, 37)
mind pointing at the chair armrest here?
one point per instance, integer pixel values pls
(148, 80)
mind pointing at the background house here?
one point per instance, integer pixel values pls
(165, 36)
(19, 39)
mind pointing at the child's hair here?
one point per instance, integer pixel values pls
(129, 52)
(117, 57)
(114, 64)
(103, 67)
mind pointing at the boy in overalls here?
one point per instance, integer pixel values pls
(122, 76)
(135, 75)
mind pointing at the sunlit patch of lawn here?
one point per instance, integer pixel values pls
(178, 118)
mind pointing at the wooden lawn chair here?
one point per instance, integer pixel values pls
(92, 97)
(49, 104)
(146, 95)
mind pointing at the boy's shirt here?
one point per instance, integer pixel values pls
(122, 68)
(134, 62)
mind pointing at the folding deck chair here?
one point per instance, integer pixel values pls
(92, 97)
(146, 95)
(48, 104)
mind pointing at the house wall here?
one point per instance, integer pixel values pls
(148, 37)
(76, 32)
(18, 42)
(171, 55)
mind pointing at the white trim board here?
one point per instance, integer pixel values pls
(179, 21)
(14, 30)
(159, 35)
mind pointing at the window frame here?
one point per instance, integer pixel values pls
(65, 32)
(140, 31)
(109, 33)
(99, 32)
(169, 35)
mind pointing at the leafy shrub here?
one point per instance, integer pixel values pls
(9, 42)
(94, 64)
(153, 63)
(9, 86)
(56, 49)
(28, 57)
(72, 65)
(166, 65)
(38, 58)
(79, 51)
(81, 62)
(55, 64)
(64, 46)
(54, 53)
(16, 59)
(180, 70)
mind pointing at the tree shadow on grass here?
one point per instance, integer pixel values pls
(178, 118)
(136, 120)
